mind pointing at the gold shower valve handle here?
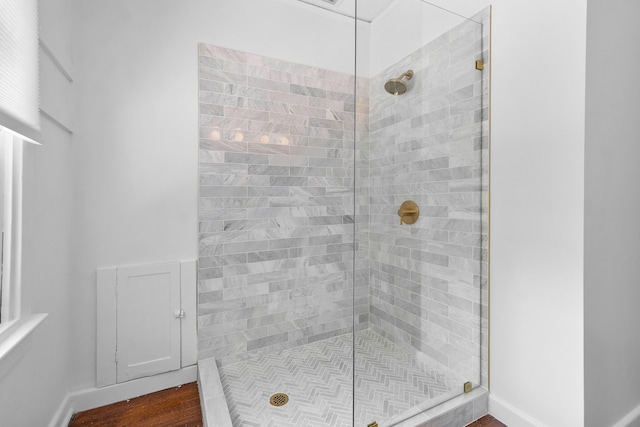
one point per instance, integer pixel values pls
(408, 212)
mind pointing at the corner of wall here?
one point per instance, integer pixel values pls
(510, 415)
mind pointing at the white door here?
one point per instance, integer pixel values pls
(148, 320)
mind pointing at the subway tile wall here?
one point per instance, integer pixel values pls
(276, 204)
(428, 280)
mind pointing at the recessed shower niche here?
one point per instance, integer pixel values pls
(309, 284)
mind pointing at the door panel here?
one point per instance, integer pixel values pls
(148, 329)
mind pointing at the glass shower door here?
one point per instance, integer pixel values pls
(421, 223)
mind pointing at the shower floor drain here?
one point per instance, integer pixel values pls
(279, 399)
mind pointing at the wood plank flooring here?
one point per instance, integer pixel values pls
(487, 421)
(174, 407)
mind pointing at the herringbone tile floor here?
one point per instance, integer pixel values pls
(318, 377)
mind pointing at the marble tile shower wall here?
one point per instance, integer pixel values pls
(276, 204)
(362, 193)
(429, 146)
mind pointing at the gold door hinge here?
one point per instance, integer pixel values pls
(468, 387)
(373, 424)
(479, 64)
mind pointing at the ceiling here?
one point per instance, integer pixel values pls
(370, 10)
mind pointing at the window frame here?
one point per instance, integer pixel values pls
(19, 124)
(12, 242)
(17, 325)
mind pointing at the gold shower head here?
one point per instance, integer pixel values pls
(397, 86)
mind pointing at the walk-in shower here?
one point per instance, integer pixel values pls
(342, 231)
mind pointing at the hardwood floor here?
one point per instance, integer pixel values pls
(174, 407)
(487, 421)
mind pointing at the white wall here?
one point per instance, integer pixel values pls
(612, 203)
(136, 145)
(537, 196)
(406, 27)
(34, 389)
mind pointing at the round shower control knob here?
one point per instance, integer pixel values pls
(408, 212)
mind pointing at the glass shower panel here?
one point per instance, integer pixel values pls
(422, 138)
(276, 217)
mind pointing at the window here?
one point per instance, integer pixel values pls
(10, 151)
(19, 123)
(16, 327)
(3, 311)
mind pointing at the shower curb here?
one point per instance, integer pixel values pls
(212, 400)
(458, 411)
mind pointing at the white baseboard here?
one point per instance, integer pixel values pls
(63, 415)
(90, 398)
(632, 418)
(510, 415)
